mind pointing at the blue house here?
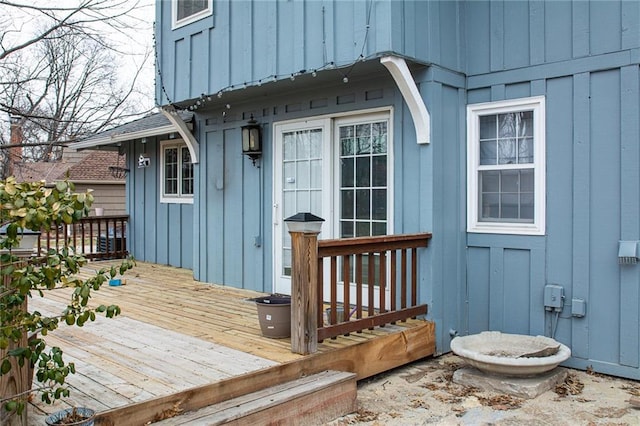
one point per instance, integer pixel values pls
(508, 129)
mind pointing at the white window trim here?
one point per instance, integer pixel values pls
(188, 20)
(474, 111)
(173, 199)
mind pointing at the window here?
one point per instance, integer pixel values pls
(506, 174)
(176, 173)
(187, 11)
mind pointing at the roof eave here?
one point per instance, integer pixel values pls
(124, 137)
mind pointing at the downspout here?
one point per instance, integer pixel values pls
(404, 80)
(174, 118)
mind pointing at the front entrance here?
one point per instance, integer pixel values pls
(336, 168)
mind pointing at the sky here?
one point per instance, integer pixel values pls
(19, 24)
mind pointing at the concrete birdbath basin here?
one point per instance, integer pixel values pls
(510, 354)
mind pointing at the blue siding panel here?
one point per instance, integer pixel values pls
(558, 30)
(516, 34)
(580, 32)
(608, 17)
(233, 209)
(630, 222)
(560, 216)
(605, 216)
(631, 29)
(497, 38)
(537, 31)
(478, 285)
(515, 291)
(581, 195)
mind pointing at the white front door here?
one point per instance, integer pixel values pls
(338, 169)
(300, 185)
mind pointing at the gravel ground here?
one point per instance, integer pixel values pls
(423, 393)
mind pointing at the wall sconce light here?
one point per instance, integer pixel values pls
(252, 140)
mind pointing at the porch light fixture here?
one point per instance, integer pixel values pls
(252, 140)
(304, 222)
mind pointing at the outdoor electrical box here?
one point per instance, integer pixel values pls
(578, 307)
(553, 297)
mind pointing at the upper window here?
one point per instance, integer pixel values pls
(187, 11)
(506, 174)
(176, 173)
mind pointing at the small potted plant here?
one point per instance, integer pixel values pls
(23, 349)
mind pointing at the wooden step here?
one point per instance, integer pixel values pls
(310, 400)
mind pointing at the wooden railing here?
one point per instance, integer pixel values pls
(95, 237)
(368, 255)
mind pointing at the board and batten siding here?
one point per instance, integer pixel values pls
(158, 232)
(233, 225)
(584, 58)
(253, 40)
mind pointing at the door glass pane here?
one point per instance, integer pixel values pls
(289, 175)
(303, 146)
(302, 174)
(316, 173)
(346, 229)
(303, 201)
(315, 143)
(363, 171)
(379, 137)
(347, 172)
(289, 146)
(379, 171)
(363, 139)
(379, 204)
(363, 229)
(379, 228)
(363, 204)
(347, 202)
(315, 198)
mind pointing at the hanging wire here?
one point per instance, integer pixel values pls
(155, 54)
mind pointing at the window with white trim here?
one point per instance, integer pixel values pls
(187, 11)
(506, 167)
(176, 177)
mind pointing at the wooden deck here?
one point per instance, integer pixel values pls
(180, 344)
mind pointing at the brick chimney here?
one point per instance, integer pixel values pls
(16, 138)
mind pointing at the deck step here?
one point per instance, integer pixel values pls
(310, 400)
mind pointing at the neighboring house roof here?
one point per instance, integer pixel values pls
(92, 167)
(151, 125)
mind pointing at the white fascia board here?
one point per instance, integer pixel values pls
(172, 115)
(404, 80)
(124, 137)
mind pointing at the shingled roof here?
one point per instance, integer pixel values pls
(94, 166)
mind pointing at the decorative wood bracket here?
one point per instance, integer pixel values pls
(172, 115)
(403, 78)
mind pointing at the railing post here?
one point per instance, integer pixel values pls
(304, 229)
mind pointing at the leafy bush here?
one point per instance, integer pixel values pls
(34, 206)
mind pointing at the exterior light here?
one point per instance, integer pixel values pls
(252, 140)
(304, 222)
